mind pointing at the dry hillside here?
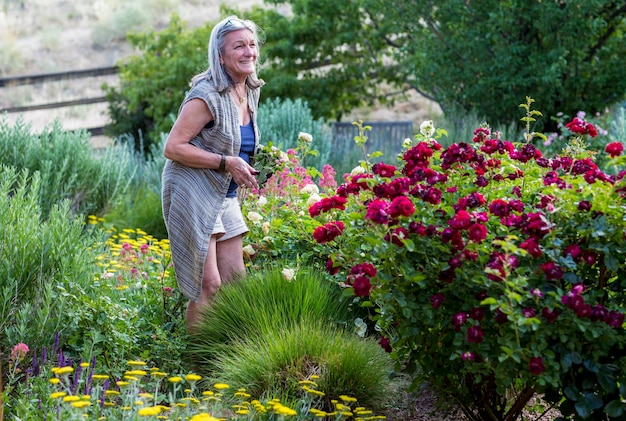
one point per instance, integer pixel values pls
(43, 36)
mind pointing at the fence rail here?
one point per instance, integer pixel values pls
(11, 81)
(384, 136)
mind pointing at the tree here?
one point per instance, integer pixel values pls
(484, 56)
(466, 55)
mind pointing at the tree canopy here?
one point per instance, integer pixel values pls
(466, 55)
(482, 56)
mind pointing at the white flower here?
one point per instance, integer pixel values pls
(305, 137)
(265, 228)
(357, 170)
(314, 198)
(407, 143)
(254, 216)
(310, 188)
(248, 251)
(289, 274)
(262, 201)
(427, 128)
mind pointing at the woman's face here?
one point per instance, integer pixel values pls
(240, 54)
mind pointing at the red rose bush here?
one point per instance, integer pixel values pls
(493, 271)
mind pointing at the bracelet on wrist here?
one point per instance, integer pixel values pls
(222, 166)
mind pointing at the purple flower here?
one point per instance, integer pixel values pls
(459, 319)
(437, 300)
(475, 334)
(535, 366)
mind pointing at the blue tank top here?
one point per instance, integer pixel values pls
(247, 148)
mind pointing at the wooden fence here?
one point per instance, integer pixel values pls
(386, 136)
(7, 82)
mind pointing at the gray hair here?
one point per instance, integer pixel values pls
(216, 71)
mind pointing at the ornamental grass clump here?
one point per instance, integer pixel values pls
(495, 273)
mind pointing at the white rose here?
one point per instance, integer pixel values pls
(314, 198)
(254, 216)
(265, 228)
(262, 201)
(248, 251)
(310, 188)
(357, 170)
(305, 137)
(289, 274)
(427, 128)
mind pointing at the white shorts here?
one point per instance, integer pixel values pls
(229, 222)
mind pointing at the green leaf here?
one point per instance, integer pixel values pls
(489, 301)
(607, 382)
(572, 393)
(583, 409)
(614, 408)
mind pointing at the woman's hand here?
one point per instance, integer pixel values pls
(243, 174)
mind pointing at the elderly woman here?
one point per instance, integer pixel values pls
(208, 155)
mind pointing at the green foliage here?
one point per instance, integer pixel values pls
(323, 53)
(466, 56)
(152, 84)
(275, 213)
(261, 303)
(140, 207)
(41, 258)
(130, 309)
(68, 166)
(280, 122)
(272, 365)
(496, 273)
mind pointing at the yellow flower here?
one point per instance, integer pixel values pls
(99, 377)
(158, 374)
(54, 380)
(81, 404)
(122, 383)
(136, 363)
(84, 365)
(63, 371)
(221, 386)
(149, 411)
(347, 399)
(136, 373)
(111, 392)
(71, 398)
(57, 395)
(175, 379)
(203, 416)
(192, 377)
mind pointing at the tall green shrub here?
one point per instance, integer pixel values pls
(69, 167)
(280, 122)
(152, 84)
(140, 206)
(43, 261)
(496, 273)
